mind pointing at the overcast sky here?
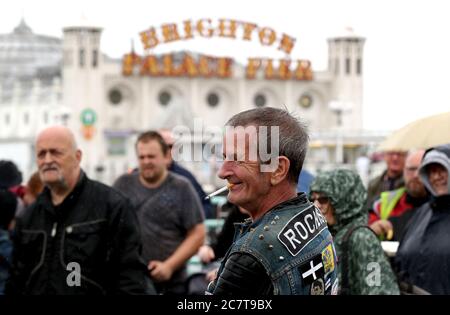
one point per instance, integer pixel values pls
(407, 51)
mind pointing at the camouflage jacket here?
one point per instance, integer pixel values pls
(369, 268)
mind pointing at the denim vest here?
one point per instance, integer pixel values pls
(294, 245)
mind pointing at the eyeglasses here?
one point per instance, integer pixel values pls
(322, 200)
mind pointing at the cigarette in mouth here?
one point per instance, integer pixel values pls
(225, 188)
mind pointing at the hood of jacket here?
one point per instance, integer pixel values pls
(438, 155)
(347, 196)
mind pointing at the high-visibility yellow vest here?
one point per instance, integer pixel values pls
(389, 200)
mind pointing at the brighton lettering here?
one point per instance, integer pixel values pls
(226, 28)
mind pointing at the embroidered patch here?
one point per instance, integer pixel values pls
(317, 287)
(302, 229)
(312, 270)
(328, 259)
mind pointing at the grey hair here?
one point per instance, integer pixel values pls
(293, 133)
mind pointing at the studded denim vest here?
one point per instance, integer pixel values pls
(294, 245)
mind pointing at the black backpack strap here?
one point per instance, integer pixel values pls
(345, 286)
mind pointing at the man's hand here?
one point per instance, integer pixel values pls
(206, 254)
(383, 228)
(159, 270)
(212, 275)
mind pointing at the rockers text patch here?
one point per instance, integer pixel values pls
(302, 229)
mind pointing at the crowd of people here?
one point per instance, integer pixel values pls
(287, 231)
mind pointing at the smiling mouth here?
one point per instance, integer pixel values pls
(233, 185)
(50, 169)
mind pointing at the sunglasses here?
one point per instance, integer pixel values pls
(322, 200)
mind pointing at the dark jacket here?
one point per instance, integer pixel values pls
(5, 258)
(226, 235)
(94, 227)
(400, 223)
(423, 258)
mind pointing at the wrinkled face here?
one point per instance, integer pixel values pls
(322, 202)
(395, 161)
(251, 187)
(57, 159)
(413, 183)
(438, 177)
(152, 161)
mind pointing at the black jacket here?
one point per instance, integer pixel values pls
(225, 237)
(423, 258)
(94, 227)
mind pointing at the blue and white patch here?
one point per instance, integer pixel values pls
(302, 229)
(327, 284)
(335, 287)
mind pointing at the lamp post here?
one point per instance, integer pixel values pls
(63, 115)
(339, 108)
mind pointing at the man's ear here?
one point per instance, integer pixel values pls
(168, 158)
(78, 155)
(281, 172)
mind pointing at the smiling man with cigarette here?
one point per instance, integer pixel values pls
(286, 247)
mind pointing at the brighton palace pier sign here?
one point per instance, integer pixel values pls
(209, 66)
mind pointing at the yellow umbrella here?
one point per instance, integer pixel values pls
(420, 134)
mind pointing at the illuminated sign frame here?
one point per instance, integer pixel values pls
(210, 66)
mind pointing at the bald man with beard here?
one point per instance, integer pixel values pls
(80, 236)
